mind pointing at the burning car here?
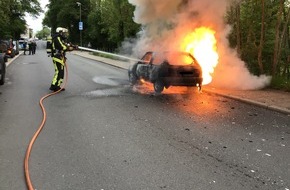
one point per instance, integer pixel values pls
(165, 69)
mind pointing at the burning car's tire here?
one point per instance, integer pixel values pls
(158, 86)
(132, 78)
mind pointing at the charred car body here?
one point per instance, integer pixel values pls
(165, 69)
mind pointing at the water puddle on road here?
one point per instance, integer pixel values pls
(27, 63)
(110, 81)
(105, 92)
(116, 87)
(120, 87)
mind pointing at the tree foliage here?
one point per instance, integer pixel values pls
(66, 13)
(260, 28)
(44, 33)
(12, 22)
(106, 23)
(117, 16)
(261, 35)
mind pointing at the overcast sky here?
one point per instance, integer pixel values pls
(36, 23)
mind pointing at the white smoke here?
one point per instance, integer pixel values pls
(231, 72)
(166, 22)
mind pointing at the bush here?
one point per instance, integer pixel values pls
(280, 83)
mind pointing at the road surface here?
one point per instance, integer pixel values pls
(103, 134)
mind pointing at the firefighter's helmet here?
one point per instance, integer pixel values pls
(61, 29)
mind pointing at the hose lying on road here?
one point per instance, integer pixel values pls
(29, 148)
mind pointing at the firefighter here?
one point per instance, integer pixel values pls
(49, 46)
(59, 47)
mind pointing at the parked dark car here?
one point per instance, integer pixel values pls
(3, 60)
(2, 69)
(10, 53)
(165, 69)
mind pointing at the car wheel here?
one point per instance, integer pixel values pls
(2, 71)
(132, 78)
(158, 86)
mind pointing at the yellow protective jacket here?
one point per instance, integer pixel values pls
(58, 49)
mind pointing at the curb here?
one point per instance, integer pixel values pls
(11, 60)
(252, 102)
(118, 64)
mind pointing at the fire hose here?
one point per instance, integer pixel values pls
(111, 54)
(36, 134)
(33, 139)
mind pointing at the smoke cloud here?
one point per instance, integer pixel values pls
(165, 23)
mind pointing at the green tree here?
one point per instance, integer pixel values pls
(12, 14)
(117, 17)
(65, 13)
(261, 34)
(106, 23)
(96, 32)
(254, 32)
(44, 33)
(4, 17)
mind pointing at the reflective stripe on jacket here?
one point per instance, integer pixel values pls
(58, 44)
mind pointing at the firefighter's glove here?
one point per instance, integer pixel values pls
(70, 48)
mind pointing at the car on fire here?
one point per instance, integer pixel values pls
(165, 69)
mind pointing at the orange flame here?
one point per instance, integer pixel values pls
(202, 45)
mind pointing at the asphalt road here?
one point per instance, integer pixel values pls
(103, 134)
